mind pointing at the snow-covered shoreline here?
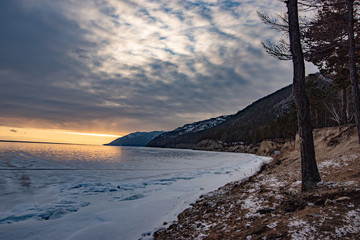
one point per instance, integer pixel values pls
(270, 205)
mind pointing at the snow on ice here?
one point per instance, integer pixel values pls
(70, 197)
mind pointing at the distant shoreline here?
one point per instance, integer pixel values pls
(14, 141)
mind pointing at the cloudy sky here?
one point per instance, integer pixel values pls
(119, 66)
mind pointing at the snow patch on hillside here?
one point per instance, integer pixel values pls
(199, 126)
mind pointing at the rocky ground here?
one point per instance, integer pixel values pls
(270, 205)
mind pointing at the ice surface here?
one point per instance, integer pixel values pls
(92, 192)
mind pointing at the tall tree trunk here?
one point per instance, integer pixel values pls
(349, 107)
(309, 169)
(343, 116)
(352, 64)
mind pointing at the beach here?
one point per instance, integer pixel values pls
(270, 204)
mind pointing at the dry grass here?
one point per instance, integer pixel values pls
(269, 205)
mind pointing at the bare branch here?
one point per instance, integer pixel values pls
(280, 51)
(335, 114)
(273, 22)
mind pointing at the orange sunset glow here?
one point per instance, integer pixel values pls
(119, 67)
(54, 136)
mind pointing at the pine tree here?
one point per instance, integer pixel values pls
(309, 170)
(333, 38)
(325, 40)
(352, 63)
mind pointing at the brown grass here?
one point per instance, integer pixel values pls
(269, 205)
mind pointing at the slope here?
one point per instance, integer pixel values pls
(135, 139)
(270, 205)
(271, 117)
(240, 127)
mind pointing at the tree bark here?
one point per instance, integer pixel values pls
(349, 107)
(343, 106)
(309, 169)
(352, 65)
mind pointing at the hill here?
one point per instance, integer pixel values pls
(186, 136)
(272, 117)
(229, 129)
(138, 139)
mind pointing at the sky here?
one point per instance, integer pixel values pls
(114, 67)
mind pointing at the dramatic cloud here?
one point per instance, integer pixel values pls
(122, 66)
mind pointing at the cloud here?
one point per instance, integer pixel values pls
(133, 65)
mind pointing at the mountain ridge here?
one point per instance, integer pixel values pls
(222, 130)
(270, 117)
(136, 139)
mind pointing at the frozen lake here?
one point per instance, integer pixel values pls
(55, 191)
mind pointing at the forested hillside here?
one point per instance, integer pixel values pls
(271, 117)
(137, 139)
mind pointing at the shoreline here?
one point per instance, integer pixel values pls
(270, 205)
(205, 189)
